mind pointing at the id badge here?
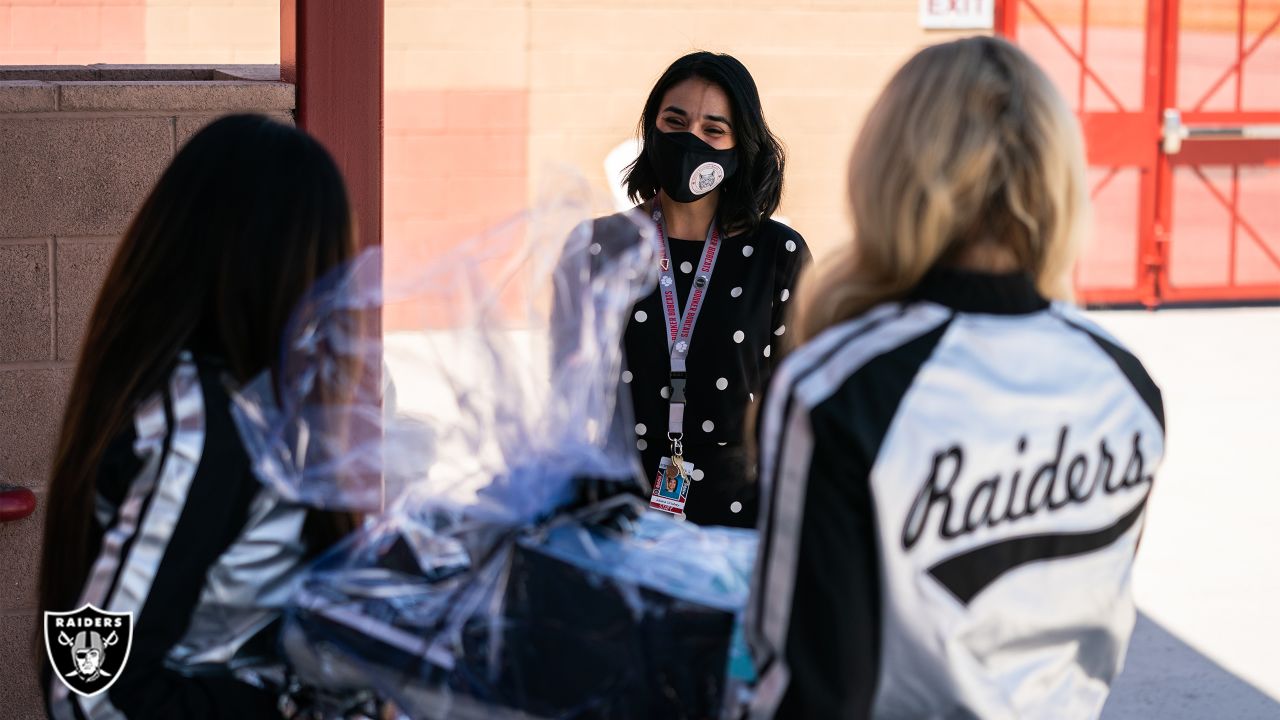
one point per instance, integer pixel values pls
(671, 487)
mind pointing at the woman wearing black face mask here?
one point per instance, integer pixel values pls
(701, 348)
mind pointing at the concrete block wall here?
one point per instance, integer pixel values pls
(80, 147)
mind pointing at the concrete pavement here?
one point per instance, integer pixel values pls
(1207, 578)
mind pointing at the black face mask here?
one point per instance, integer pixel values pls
(687, 167)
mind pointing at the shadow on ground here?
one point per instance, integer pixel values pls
(1166, 678)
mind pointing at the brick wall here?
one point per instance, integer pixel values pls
(72, 33)
(486, 100)
(211, 31)
(818, 65)
(79, 149)
(457, 123)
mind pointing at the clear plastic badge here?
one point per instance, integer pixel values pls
(671, 486)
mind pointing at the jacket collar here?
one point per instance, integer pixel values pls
(986, 293)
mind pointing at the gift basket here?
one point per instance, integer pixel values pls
(508, 566)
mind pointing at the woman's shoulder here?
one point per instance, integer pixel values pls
(612, 232)
(188, 412)
(635, 217)
(194, 398)
(770, 232)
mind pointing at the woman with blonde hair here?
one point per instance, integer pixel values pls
(955, 463)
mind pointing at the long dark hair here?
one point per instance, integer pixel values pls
(755, 191)
(247, 216)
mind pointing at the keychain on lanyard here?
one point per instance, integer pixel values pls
(671, 486)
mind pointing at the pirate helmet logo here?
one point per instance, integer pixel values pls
(88, 647)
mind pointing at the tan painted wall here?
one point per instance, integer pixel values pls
(584, 68)
(211, 31)
(486, 98)
(818, 65)
(76, 158)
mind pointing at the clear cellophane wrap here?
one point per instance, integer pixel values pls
(470, 408)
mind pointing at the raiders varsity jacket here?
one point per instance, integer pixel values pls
(954, 489)
(198, 550)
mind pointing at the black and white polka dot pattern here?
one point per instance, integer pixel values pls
(730, 361)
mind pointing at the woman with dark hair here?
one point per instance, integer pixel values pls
(701, 348)
(153, 508)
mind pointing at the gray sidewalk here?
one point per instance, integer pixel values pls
(1207, 643)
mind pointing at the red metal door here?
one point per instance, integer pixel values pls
(1191, 218)
(1220, 165)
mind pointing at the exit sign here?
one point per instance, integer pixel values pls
(957, 14)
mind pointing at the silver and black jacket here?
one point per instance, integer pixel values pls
(198, 550)
(955, 486)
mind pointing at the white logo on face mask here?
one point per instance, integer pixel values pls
(705, 178)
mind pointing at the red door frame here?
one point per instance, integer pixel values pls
(1132, 139)
(332, 52)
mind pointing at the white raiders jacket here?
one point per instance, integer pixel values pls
(954, 490)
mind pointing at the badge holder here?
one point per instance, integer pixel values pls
(671, 486)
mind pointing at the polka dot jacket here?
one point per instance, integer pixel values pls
(731, 359)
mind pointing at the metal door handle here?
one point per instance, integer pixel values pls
(1175, 132)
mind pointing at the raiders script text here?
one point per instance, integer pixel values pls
(1000, 499)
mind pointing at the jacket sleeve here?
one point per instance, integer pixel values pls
(183, 510)
(815, 614)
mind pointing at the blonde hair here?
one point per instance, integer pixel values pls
(969, 146)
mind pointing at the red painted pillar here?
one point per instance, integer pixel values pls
(331, 51)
